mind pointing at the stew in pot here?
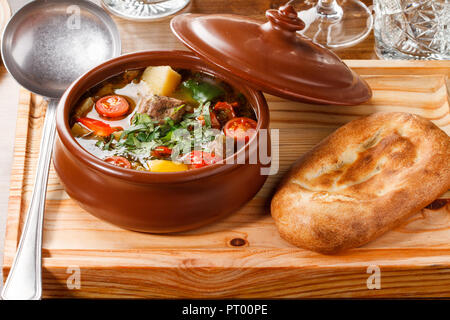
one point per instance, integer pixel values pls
(162, 120)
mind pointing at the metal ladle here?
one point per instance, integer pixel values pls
(45, 46)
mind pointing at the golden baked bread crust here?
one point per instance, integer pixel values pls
(361, 181)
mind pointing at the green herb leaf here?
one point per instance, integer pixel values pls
(167, 137)
(107, 145)
(132, 141)
(141, 118)
(206, 115)
(99, 144)
(175, 110)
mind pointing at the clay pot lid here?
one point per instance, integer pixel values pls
(272, 57)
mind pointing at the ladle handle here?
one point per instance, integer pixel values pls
(25, 280)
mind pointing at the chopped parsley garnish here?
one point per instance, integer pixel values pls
(144, 135)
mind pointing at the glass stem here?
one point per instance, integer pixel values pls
(329, 10)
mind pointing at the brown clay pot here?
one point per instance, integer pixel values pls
(154, 202)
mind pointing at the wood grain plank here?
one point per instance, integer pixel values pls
(414, 258)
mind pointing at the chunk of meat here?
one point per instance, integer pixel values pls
(160, 107)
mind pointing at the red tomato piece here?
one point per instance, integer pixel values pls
(201, 119)
(112, 106)
(200, 159)
(100, 128)
(240, 128)
(226, 109)
(161, 152)
(214, 122)
(119, 161)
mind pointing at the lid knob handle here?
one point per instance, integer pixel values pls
(285, 18)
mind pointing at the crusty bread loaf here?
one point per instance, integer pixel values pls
(361, 181)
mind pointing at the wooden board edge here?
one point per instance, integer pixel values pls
(157, 283)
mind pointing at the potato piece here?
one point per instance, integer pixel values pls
(84, 107)
(80, 131)
(166, 166)
(161, 80)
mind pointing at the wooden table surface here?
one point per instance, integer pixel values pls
(136, 36)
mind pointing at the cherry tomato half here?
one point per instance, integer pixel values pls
(112, 106)
(100, 128)
(161, 152)
(119, 161)
(240, 128)
(225, 110)
(200, 159)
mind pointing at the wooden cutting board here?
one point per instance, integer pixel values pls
(243, 255)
